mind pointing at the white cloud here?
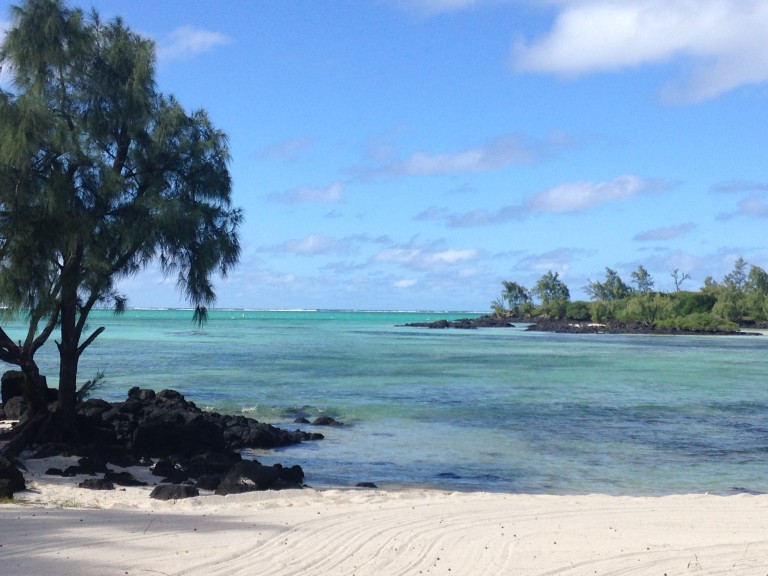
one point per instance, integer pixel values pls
(558, 260)
(495, 154)
(572, 197)
(454, 256)
(668, 233)
(188, 41)
(753, 206)
(287, 150)
(440, 6)
(426, 257)
(581, 196)
(482, 217)
(721, 41)
(405, 283)
(332, 193)
(740, 186)
(313, 245)
(431, 213)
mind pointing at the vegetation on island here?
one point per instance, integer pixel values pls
(739, 299)
(101, 175)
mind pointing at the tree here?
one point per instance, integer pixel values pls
(642, 279)
(757, 294)
(732, 301)
(736, 280)
(100, 175)
(550, 288)
(497, 307)
(678, 278)
(613, 288)
(515, 295)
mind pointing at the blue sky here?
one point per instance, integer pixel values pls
(412, 154)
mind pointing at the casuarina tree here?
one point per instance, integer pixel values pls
(101, 175)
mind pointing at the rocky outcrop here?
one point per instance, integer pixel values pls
(250, 475)
(96, 484)
(488, 321)
(188, 446)
(173, 492)
(166, 424)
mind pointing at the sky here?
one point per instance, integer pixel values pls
(413, 154)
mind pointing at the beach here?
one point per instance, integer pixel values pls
(57, 528)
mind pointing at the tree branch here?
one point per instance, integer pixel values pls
(90, 340)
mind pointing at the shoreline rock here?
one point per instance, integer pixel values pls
(190, 446)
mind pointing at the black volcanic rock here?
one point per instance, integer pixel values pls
(11, 478)
(173, 492)
(188, 444)
(96, 484)
(326, 421)
(487, 321)
(250, 476)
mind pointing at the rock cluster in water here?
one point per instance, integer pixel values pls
(488, 321)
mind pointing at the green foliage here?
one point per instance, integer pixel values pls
(515, 295)
(555, 309)
(601, 311)
(498, 308)
(642, 280)
(90, 386)
(100, 175)
(741, 298)
(550, 288)
(698, 321)
(645, 308)
(613, 288)
(527, 310)
(683, 303)
(578, 311)
(736, 280)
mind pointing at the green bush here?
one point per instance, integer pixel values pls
(701, 321)
(578, 311)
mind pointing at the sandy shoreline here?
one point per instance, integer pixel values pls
(61, 529)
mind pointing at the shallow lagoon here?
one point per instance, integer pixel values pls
(490, 409)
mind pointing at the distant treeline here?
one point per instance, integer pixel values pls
(739, 299)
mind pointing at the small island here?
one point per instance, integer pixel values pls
(733, 306)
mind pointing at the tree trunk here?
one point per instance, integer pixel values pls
(68, 359)
(67, 381)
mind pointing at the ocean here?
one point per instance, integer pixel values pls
(493, 409)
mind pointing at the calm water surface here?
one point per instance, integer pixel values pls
(490, 409)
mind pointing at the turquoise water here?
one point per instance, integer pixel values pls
(491, 409)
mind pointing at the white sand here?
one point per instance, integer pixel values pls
(66, 530)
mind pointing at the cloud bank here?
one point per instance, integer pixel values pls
(721, 43)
